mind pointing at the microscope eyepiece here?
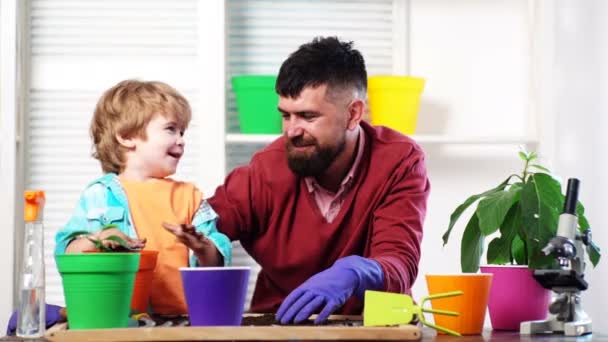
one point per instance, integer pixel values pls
(571, 196)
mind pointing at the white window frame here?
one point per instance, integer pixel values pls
(13, 73)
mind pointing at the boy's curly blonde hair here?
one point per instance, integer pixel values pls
(125, 110)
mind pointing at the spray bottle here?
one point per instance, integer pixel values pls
(31, 320)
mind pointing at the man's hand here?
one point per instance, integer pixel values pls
(204, 250)
(329, 290)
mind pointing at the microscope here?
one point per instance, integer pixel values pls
(566, 313)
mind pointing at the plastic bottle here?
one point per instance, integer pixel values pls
(31, 320)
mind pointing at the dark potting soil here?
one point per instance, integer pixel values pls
(257, 320)
(269, 319)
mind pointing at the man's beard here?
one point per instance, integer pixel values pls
(315, 163)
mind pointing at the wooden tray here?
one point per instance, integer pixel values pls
(242, 333)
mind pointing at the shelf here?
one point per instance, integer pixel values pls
(421, 138)
(471, 140)
(250, 138)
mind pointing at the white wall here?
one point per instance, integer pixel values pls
(581, 106)
(573, 73)
(477, 85)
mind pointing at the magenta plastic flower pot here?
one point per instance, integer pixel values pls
(515, 297)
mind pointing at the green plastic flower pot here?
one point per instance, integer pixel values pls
(98, 288)
(256, 102)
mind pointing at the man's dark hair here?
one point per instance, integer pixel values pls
(322, 61)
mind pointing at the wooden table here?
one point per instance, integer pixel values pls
(258, 327)
(487, 336)
(508, 336)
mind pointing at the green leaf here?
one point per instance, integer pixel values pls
(594, 253)
(491, 211)
(97, 243)
(517, 249)
(461, 208)
(523, 156)
(109, 226)
(77, 234)
(499, 249)
(471, 247)
(496, 255)
(120, 241)
(540, 167)
(532, 156)
(583, 224)
(541, 203)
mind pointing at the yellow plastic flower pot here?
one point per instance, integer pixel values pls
(394, 101)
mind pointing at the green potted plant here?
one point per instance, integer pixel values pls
(522, 213)
(145, 272)
(98, 285)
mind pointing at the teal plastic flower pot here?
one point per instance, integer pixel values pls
(256, 102)
(98, 288)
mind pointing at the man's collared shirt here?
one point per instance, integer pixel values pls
(329, 203)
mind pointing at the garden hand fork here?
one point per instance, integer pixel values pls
(384, 308)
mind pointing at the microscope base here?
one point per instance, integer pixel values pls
(550, 326)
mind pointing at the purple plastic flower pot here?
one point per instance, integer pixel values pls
(515, 297)
(215, 295)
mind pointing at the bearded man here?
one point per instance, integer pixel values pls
(334, 206)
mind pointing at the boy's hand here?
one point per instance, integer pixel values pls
(104, 234)
(83, 243)
(204, 250)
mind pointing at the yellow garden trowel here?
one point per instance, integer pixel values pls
(384, 308)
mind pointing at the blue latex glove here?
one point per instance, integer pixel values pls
(330, 289)
(52, 316)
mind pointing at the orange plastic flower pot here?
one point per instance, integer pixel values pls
(143, 281)
(471, 305)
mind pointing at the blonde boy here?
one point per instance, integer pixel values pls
(137, 132)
